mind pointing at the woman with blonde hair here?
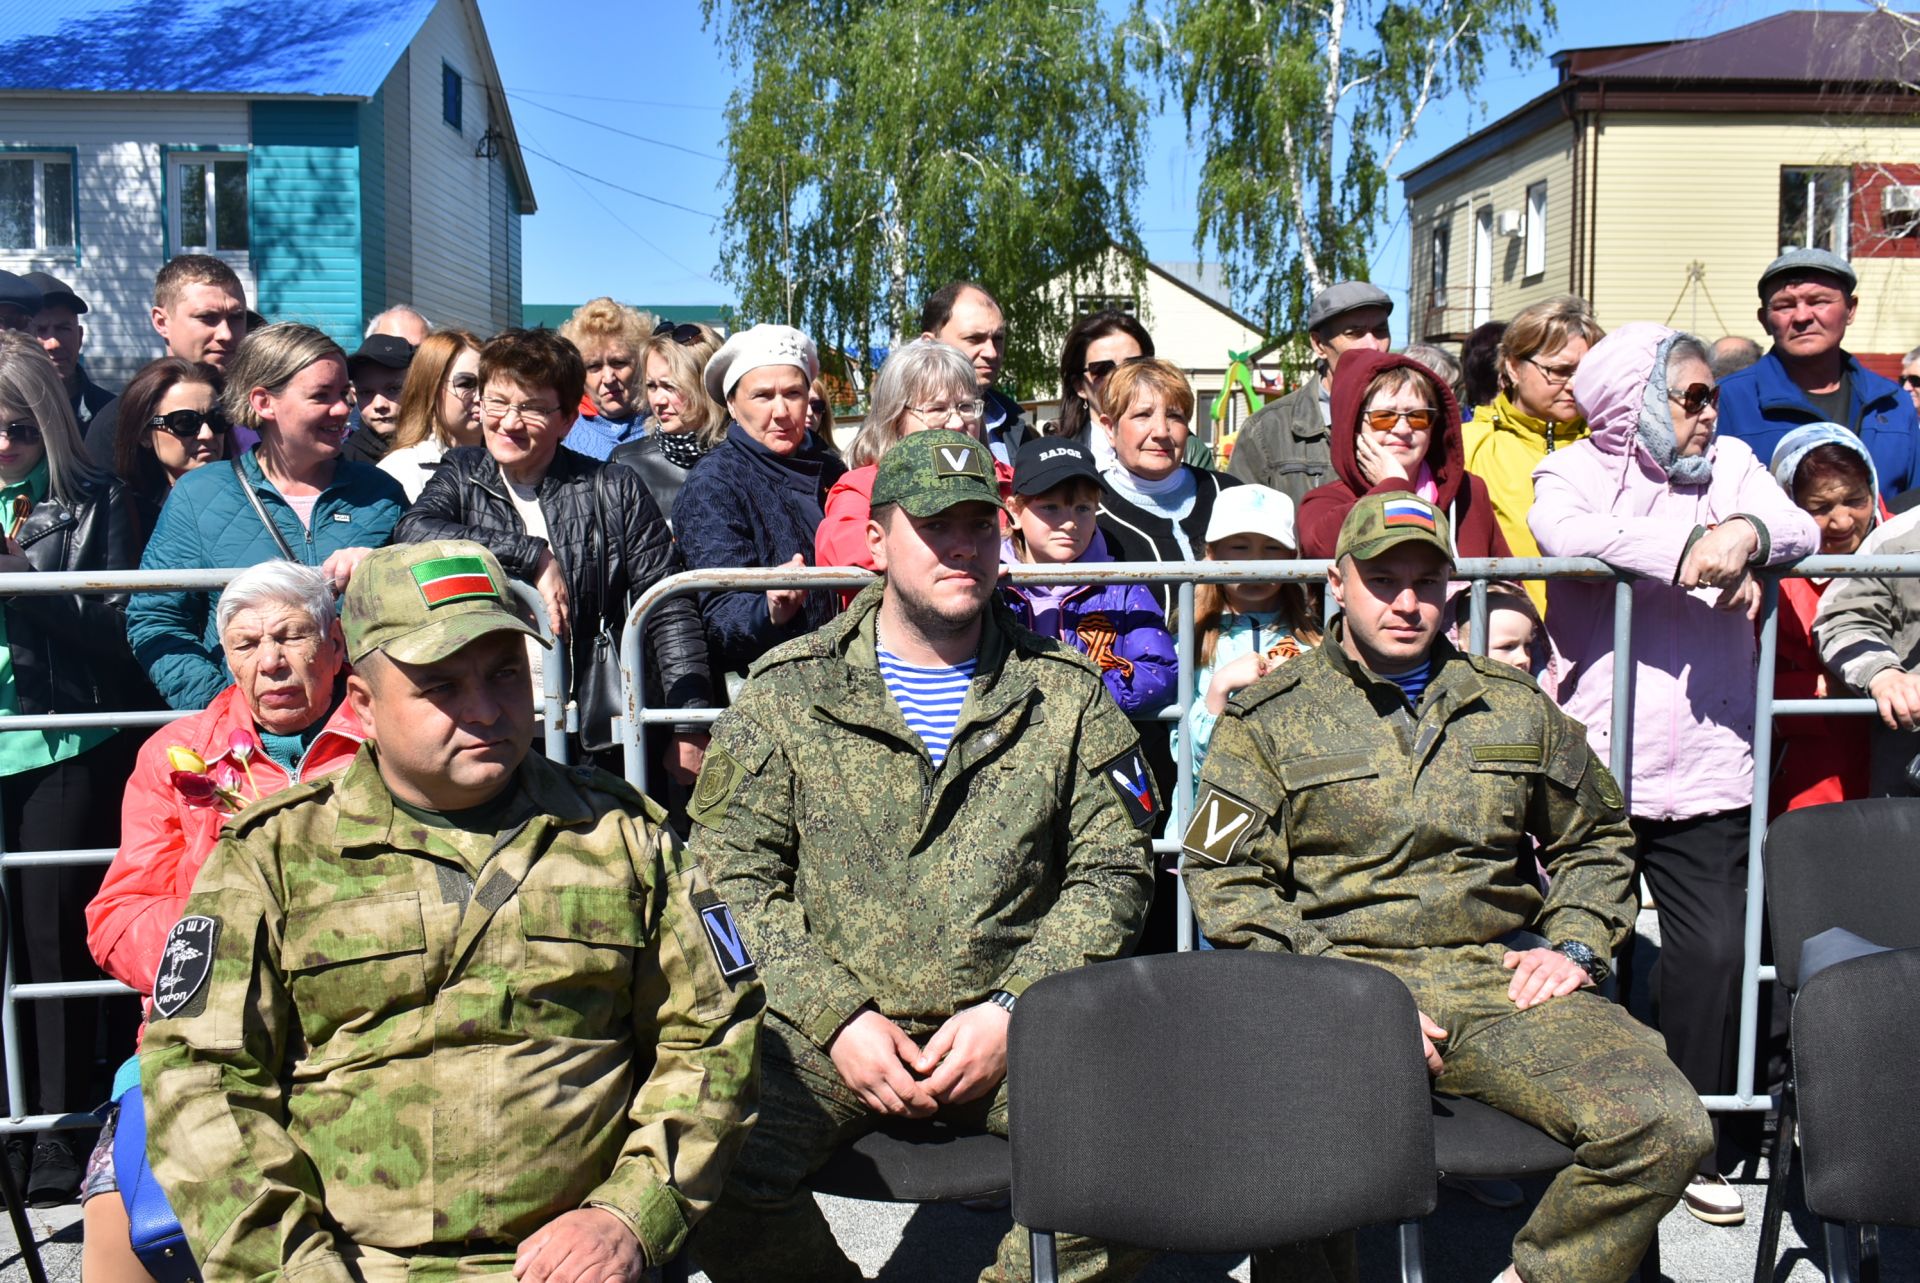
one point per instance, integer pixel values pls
(65, 654)
(1533, 416)
(291, 496)
(610, 336)
(686, 421)
(439, 408)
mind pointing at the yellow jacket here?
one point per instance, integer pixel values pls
(1503, 447)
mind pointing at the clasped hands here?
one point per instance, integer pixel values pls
(966, 1058)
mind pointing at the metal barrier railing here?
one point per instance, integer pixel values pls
(1478, 572)
(556, 712)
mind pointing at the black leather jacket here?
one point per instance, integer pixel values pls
(663, 476)
(70, 652)
(466, 498)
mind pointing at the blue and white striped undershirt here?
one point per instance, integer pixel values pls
(929, 698)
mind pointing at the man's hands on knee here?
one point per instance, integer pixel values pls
(877, 1060)
(1431, 1033)
(1540, 975)
(587, 1246)
(967, 1056)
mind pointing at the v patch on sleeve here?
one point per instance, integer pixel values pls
(1220, 824)
(185, 964)
(1127, 775)
(724, 938)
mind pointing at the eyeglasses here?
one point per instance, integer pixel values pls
(186, 424)
(1555, 375)
(464, 385)
(818, 407)
(965, 411)
(1097, 370)
(1419, 420)
(499, 410)
(1695, 397)
(684, 335)
(21, 433)
(1911, 380)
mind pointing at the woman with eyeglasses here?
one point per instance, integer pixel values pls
(59, 790)
(1653, 491)
(291, 496)
(170, 423)
(439, 408)
(925, 384)
(1533, 415)
(584, 533)
(686, 421)
(1396, 427)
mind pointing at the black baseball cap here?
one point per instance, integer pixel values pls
(1046, 462)
(384, 349)
(53, 290)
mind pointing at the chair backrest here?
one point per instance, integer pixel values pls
(1218, 1101)
(1847, 864)
(1856, 1039)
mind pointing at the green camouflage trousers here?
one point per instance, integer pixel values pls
(1580, 1069)
(766, 1227)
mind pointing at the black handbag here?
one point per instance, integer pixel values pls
(598, 691)
(158, 1240)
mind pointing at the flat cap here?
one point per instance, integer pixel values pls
(18, 291)
(1344, 296)
(1801, 261)
(54, 291)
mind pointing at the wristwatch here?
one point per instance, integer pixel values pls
(1001, 998)
(1586, 959)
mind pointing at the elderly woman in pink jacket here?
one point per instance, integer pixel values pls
(1654, 491)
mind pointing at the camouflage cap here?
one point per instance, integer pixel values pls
(1382, 521)
(421, 602)
(931, 471)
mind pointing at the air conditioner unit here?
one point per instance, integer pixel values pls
(1507, 222)
(1903, 202)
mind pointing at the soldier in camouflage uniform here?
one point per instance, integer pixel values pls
(454, 1009)
(900, 901)
(1372, 801)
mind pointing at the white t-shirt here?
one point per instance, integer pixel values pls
(526, 502)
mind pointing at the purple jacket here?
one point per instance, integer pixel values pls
(1694, 666)
(1118, 626)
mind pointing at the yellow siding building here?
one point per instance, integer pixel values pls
(1656, 181)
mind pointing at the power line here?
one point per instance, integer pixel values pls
(588, 120)
(630, 102)
(625, 191)
(635, 232)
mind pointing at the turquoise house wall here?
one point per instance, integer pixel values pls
(373, 204)
(304, 187)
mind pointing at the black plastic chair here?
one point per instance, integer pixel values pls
(1846, 864)
(1218, 1102)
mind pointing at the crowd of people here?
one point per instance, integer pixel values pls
(922, 796)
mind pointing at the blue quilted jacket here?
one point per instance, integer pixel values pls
(208, 523)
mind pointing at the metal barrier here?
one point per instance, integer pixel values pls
(556, 711)
(1479, 572)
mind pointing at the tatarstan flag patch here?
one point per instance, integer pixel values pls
(446, 579)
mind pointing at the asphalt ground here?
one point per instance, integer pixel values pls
(1465, 1241)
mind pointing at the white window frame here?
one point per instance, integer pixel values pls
(177, 161)
(40, 161)
(1843, 225)
(1482, 265)
(1536, 230)
(1440, 261)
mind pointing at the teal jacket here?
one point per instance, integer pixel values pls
(207, 523)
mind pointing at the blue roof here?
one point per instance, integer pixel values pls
(341, 48)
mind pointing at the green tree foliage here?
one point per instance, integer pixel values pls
(1302, 107)
(881, 148)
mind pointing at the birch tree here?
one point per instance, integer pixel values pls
(880, 148)
(1301, 109)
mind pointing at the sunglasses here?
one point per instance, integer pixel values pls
(186, 424)
(1101, 369)
(21, 433)
(1911, 380)
(1696, 397)
(684, 335)
(1419, 420)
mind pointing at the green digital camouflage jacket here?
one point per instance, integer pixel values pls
(863, 876)
(356, 1037)
(1331, 816)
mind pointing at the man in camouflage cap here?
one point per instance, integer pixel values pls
(457, 1009)
(917, 810)
(1374, 800)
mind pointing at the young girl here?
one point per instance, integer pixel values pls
(1243, 631)
(1514, 632)
(1056, 496)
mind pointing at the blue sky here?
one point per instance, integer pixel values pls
(610, 95)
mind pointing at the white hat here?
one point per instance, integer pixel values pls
(1252, 510)
(754, 349)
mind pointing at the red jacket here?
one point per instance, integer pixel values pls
(1816, 759)
(164, 840)
(1461, 495)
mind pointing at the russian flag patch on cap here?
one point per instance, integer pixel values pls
(1407, 512)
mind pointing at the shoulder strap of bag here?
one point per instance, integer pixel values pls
(246, 488)
(600, 538)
